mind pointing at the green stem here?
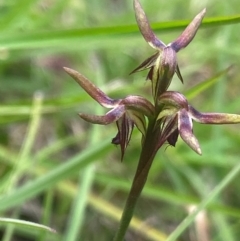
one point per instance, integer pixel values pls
(145, 162)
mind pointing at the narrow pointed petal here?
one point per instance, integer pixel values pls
(179, 73)
(145, 28)
(214, 118)
(91, 89)
(112, 116)
(172, 139)
(188, 34)
(150, 74)
(148, 63)
(168, 126)
(185, 131)
(125, 128)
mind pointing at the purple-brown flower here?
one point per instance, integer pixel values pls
(125, 112)
(176, 109)
(163, 64)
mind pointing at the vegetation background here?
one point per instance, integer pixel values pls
(59, 171)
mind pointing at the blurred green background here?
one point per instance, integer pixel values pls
(62, 172)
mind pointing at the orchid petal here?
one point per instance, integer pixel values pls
(185, 131)
(92, 90)
(125, 127)
(179, 73)
(188, 34)
(112, 116)
(145, 28)
(173, 99)
(140, 104)
(148, 63)
(172, 139)
(139, 120)
(214, 118)
(167, 112)
(168, 127)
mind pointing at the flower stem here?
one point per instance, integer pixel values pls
(145, 161)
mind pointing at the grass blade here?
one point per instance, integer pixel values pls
(27, 224)
(65, 170)
(196, 90)
(100, 35)
(190, 218)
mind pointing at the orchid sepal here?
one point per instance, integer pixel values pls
(185, 131)
(138, 103)
(214, 118)
(110, 117)
(189, 33)
(92, 89)
(145, 28)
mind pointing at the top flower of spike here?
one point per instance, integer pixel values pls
(165, 58)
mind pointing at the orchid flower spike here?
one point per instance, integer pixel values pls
(171, 115)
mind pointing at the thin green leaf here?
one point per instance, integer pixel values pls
(98, 35)
(28, 142)
(199, 88)
(190, 218)
(68, 169)
(164, 194)
(27, 224)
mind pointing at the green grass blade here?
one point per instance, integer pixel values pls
(222, 226)
(87, 37)
(36, 226)
(190, 218)
(9, 231)
(76, 217)
(165, 194)
(68, 169)
(47, 212)
(23, 156)
(199, 88)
